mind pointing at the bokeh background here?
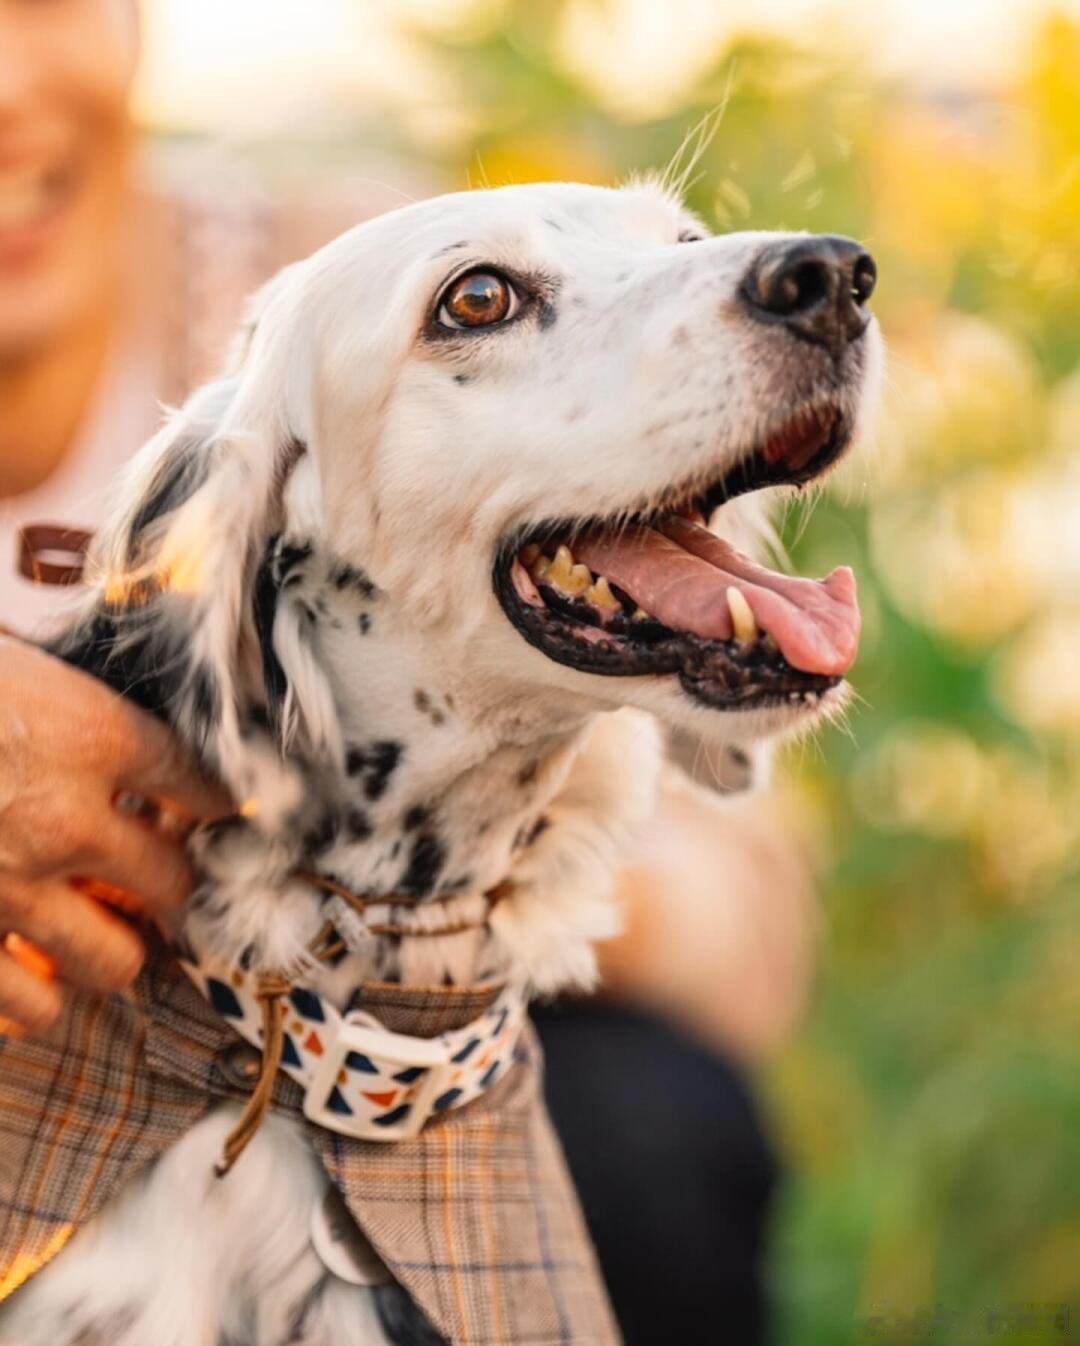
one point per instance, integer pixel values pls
(929, 1108)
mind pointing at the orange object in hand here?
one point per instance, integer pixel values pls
(30, 957)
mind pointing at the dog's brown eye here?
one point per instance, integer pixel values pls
(480, 299)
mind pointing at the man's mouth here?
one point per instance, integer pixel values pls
(30, 198)
(661, 594)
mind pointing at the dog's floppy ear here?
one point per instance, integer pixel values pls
(183, 611)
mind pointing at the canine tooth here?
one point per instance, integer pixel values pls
(640, 615)
(579, 580)
(542, 568)
(561, 567)
(530, 554)
(742, 618)
(600, 596)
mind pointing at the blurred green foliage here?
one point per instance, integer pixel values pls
(930, 1108)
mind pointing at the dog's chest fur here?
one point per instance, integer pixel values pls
(422, 796)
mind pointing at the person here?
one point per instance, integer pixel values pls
(116, 296)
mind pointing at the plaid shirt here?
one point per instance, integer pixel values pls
(476, 1217)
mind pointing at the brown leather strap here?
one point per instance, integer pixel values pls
(52, 554)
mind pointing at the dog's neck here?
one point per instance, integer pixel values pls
(437, 795)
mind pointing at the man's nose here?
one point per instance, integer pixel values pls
(817, 287)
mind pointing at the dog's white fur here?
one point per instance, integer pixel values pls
(344, 427)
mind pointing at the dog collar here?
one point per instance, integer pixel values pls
(360, 1079)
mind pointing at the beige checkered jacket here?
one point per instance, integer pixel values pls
(476, 1217)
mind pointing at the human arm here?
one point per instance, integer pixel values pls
(69, 750)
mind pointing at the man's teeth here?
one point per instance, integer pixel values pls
(744, 627)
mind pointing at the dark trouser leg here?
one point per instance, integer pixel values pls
(673, 1169)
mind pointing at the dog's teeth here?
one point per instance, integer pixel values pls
(541, 568)
(561, 567)
(600, 596)
(742, 618)
(640, 615)
(579, 580)
(529, 555)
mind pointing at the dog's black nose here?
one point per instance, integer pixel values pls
(818, 287)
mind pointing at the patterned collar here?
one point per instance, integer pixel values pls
(360, 1079)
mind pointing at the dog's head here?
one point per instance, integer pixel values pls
(503, 418)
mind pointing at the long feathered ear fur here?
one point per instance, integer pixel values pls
(184, 613)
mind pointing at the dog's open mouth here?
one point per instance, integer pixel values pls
(661, 594)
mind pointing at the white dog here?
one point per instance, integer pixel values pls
(395, 577)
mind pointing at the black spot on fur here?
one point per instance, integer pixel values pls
(374, 765)
(358, 825)
(525, 836)
(322, 836)
(364, 622)
(149, 666)
(538, 829)
(461, 378)
(344, 576)
(205, 699)
(264, 601)
(416, 817)
(289, 556)
(546, 315)
(401, 1320)
(426, 859)
(424, 704)
(179, 475)
(255, 717)
(528, 772)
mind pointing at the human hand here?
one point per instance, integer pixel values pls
(70, 751)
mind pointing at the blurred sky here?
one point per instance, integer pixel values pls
(246, 66)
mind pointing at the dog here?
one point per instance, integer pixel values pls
(419, 577)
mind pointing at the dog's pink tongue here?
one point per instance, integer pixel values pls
(681, 577)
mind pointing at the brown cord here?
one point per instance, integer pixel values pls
(271, 990)
(327, 944)
(360, 905)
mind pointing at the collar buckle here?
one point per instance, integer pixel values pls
(372, 1084)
